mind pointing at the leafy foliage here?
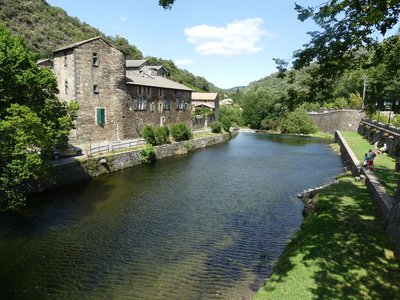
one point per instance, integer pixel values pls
(149, 134)
(180, 132)
(162, 135)
(32, 119)
(230, 116)
(299, 122)
(216, 127)
(148, 154)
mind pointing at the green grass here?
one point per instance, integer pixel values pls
(383, 164)
(203, 134)
(323, 135)
(340, 252)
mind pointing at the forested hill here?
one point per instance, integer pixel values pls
(46, 28)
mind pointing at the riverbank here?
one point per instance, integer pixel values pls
(77, 169)
(340, 252)
(342, 249)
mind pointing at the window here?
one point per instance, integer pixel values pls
(140, 104)
(160, 92)
(66, 87)
(139, 89)
(152, 107)
(166, 104)
(148, 90)
(65, 59)
(95, 59)
(181, 105)
(100, 116)
(95, 89)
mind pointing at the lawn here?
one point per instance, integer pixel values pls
(384, 164)
(340, 252)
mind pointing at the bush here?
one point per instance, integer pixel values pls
(148, 154)
(216, 127)
(180, 132)
(149, 135)
(299, 122)
(161, 135)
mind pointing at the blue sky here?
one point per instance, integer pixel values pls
(229, 42)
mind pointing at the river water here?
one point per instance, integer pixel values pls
(209, 225)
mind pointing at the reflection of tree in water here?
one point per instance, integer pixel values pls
(291, 140)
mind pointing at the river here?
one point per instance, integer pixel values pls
(208, 225)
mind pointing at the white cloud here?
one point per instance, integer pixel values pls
(184, 62)
(238, 37)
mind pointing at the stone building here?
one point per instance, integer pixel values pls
(210, 100)
(116, 97)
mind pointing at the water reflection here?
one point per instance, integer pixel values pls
(208, 225)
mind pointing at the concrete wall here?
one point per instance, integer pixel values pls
(78, 170)
(337, 120)
(388, 208)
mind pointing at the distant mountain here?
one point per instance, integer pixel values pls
(46, 28)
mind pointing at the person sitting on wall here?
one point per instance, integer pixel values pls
(370, 159)
(365, 162)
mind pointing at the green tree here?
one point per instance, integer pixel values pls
(180, 132)
(298, 122)
(167, 4)
(32, 119)
(349, 30)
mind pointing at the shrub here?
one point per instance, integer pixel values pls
(148, 154)
(216, 127)
(161, 135)
(299, 122)
(180, 132)
(149, 135)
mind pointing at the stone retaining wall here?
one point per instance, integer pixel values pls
(378, 132)
(388, 208)
(78, 170)
(331, 121)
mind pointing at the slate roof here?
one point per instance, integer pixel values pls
(70, 46)
(135, 63)
(155, 81)
(204, 96)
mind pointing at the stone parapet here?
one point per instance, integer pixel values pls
(388, 207)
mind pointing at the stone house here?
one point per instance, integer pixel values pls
(116, 97)
(210, 100)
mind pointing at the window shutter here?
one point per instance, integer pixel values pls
(100, 116)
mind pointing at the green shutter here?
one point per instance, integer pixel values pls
(100, 116)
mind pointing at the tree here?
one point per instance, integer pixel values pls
(299, 122)
(166, 4)
(32, 119)
(349, 28)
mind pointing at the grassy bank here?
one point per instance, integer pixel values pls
(340, 252)
(383, 164)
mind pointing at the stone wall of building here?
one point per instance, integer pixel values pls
(108, 76)
(154, 114)
(337, 120)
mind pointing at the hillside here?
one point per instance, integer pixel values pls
(46, 28)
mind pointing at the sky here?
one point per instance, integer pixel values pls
(229, 42)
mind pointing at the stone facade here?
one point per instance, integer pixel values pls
(112, 105)
(155, 106)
